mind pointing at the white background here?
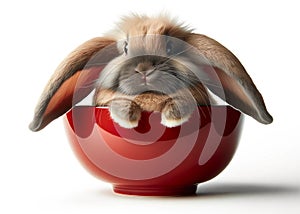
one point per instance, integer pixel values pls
(39, 172)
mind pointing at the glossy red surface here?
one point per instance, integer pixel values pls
(152, 159)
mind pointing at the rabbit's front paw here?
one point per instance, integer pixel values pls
(174, 114)
(125, 112)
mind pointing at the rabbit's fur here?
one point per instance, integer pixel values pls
(153, 64)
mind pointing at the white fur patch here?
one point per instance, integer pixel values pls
(173, 123)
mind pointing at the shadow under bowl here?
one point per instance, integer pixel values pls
(153, 159)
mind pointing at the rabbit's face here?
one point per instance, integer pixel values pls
(155, 63)
(152, 58)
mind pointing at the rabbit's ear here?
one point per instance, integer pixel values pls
(227, 77)
(73, 80)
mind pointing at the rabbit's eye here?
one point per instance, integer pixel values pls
(125, 47)
(169, 47)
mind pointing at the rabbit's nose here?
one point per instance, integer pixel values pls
(144, 68)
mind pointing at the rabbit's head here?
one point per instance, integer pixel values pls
(147, 54)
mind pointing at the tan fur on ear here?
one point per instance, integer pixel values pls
(72, 91)
(239, 88)
(57, 97)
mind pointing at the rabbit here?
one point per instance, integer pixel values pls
(150, 64)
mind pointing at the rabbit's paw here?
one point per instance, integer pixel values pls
(175, 114)
(125, 112)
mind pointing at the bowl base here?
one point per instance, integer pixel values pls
(156, 190)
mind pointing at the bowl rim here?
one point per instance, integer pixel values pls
(199, 106)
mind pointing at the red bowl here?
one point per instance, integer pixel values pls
(152, 159)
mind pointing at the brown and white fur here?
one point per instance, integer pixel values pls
(150, 64)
